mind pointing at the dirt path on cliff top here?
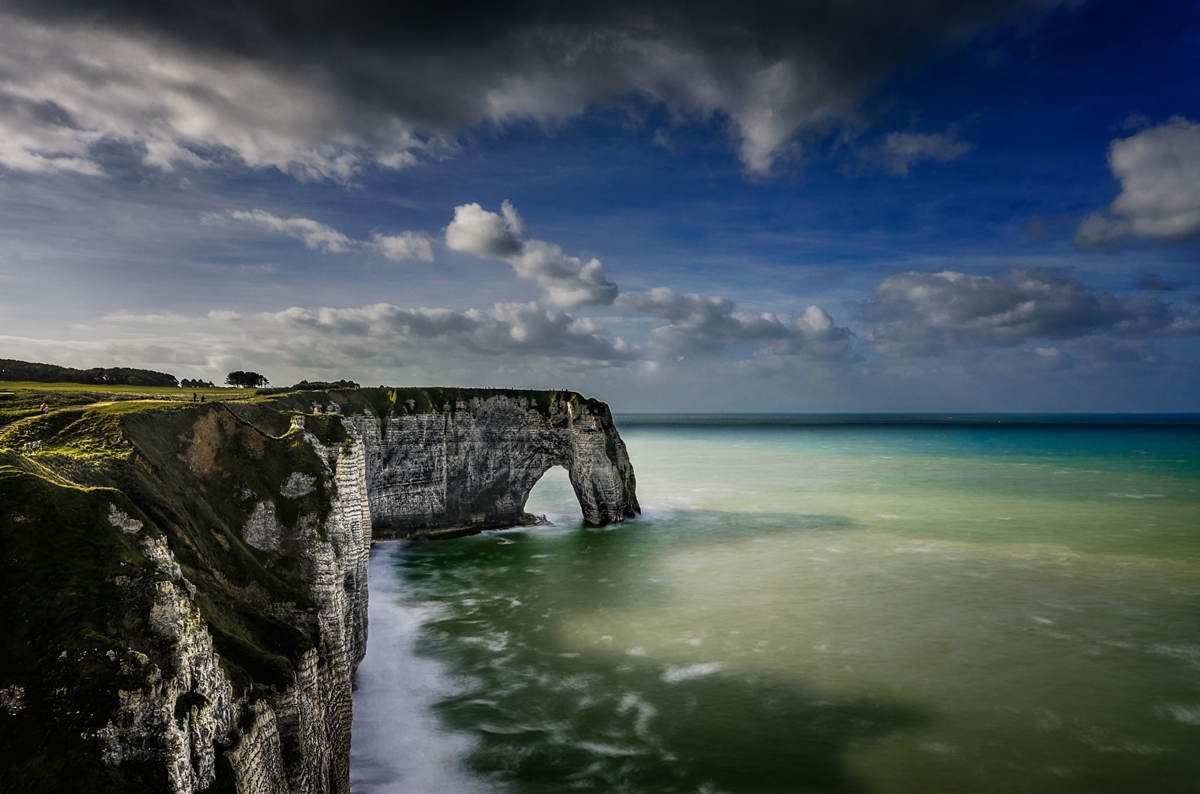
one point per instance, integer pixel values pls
(76, 408)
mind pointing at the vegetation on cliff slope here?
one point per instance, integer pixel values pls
(78, 590)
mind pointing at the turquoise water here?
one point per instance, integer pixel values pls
(824, 607)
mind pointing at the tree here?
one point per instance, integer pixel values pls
(14, 370)
(245, 380)
(326, 385)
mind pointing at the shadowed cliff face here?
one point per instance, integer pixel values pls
(189, 601)
(185, 585)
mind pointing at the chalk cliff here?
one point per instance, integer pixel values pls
(471, 463)
(185, 586)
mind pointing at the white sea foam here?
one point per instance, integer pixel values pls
(937, 748)
(398, 747)
(1189, 715)
(676, 674)
(609, 749)
(1189, 653)
(645, 712)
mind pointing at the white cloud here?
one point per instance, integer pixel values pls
(708, 325)
(818, 336)
(124, 317)
(507, 343)
(566, 280)
(928, 314)
(34, 139)
(899, 151)
(315, 235)
(405, 246)
(1159, 171)
(505, 331)
(477, 231)
(320, 237)
(671, 305)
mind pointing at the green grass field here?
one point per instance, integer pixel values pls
(21, 399)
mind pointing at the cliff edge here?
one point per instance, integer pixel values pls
(185, 585)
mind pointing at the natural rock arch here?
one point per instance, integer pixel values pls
(552, 478)
(472, 465)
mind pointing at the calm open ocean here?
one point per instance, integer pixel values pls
(833, 605)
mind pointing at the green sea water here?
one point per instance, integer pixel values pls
(834, 606)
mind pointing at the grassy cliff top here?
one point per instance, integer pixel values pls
(19, 399)
(411, 400)
(22, 400)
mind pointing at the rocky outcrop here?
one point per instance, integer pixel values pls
(186, 587)
(472, 464)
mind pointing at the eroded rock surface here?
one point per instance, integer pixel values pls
(472, 465)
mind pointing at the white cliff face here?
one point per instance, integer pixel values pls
(298, 739)
(472, 466)
(181, 712)
(336, 577)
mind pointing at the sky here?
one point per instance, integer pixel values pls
(806, 206)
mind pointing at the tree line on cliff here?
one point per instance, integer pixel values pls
(14, 370)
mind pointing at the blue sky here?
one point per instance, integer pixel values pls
(843, 205)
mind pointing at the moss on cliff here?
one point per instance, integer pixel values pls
(76, 598)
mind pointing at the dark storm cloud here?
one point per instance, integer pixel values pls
(928, 314)
(320, 89)
(1154, 282)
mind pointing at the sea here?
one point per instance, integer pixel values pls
(851, 604)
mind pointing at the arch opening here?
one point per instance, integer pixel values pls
(554, 497)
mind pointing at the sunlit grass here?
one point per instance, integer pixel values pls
(156, 391)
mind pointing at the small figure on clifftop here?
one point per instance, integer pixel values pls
(45, 408)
